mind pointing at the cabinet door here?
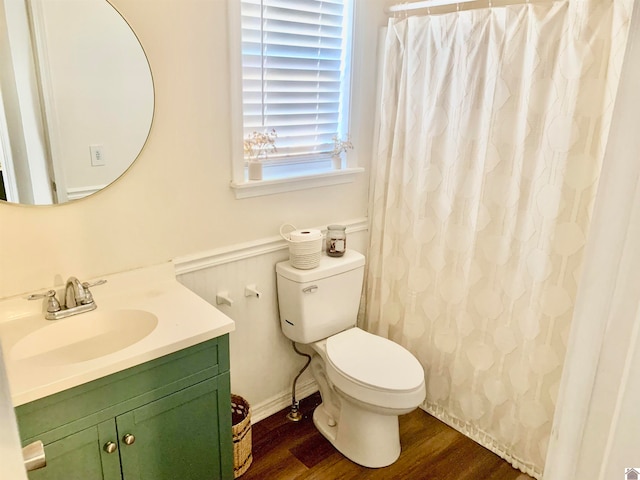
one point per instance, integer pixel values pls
(178, 436)
(81, 456)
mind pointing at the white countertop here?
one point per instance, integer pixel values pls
(184, 320)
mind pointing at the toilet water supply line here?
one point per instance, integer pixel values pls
(294, 415)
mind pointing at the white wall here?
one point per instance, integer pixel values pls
(10, 451)
(175, 200)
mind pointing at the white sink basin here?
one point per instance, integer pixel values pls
(84, 337)
(142, 315)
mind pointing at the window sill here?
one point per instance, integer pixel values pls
(270, 186)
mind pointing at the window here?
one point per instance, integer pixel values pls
(295, 80)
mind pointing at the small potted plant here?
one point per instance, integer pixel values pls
(257, 147)
(340, 146)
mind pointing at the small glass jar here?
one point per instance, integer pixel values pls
(336, 240)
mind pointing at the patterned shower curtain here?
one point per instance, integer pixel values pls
(493, 124)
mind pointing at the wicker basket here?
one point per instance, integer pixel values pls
(305, 247)
(241, 429)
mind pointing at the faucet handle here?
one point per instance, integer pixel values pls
(52, 302)
(94, 284)
(88, 297)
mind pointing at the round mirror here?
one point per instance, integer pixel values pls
(76, 99)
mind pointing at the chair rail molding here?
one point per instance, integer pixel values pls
(241, 251)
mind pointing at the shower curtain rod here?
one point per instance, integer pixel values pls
(405, 7)
(408, 6)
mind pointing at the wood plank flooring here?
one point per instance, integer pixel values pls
(431, 450)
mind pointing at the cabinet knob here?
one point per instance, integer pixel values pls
(110, 447)
(129, 439)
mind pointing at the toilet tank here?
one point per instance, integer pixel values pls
(317, 303)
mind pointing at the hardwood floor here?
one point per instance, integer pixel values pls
(284, 450)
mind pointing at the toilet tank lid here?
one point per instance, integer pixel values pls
(328, 267)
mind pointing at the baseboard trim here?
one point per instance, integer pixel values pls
(276, 403)
(81, 192)
(241, 251)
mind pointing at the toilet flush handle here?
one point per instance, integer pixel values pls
(311, 289)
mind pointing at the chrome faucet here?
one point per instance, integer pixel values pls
(75, 294)
(77, 299)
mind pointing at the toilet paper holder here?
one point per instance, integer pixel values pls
(223, 298)
(251, 291)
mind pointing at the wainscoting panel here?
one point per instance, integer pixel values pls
(263, 363)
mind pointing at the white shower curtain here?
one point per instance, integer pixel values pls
(493, 127)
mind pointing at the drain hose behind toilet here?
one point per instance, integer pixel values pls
(294, 402)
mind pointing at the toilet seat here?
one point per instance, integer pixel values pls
(374, 369)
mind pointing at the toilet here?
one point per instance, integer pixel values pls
(365, 381)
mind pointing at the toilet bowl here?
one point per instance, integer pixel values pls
(374, 370)
(362, 399)
(365, 381)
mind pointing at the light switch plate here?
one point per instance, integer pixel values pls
(97, 155)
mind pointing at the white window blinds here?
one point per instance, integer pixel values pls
(295, 73)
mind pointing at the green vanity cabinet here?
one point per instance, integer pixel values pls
(78, 456)
(166, 419)
(173, 436)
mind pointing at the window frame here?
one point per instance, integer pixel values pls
(287, 175)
